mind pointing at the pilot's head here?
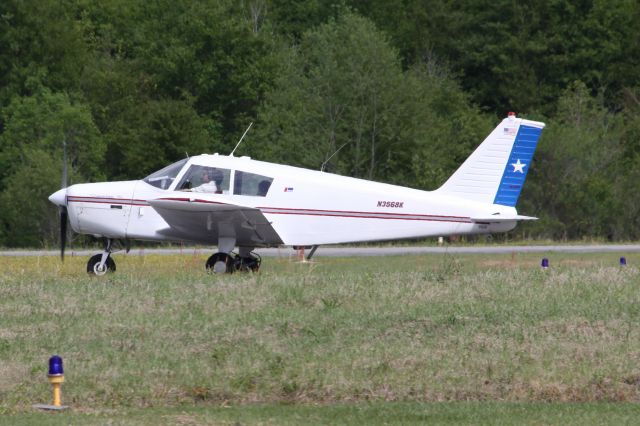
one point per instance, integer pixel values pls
(206, 175)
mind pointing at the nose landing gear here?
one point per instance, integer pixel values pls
(96, 267)
(102, 263)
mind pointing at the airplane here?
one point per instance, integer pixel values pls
(231, 202)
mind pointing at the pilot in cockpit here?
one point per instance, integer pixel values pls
(211, 181)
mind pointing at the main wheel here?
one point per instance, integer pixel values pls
(249, 263)
(219, 263)
(93, 265)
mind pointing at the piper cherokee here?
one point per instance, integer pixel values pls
(232, 202)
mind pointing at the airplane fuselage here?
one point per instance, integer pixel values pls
(304, 207)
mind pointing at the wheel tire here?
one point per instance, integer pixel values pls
(94, 263)
(220, 263)
(250, 263)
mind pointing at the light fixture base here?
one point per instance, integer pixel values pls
(50, 407)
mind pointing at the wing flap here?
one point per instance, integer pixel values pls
(205, 221)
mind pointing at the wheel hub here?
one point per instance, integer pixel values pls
(220, 267)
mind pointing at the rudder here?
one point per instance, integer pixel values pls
(515, 171)
(495, 172)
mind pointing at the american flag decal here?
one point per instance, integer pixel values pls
(288, 189)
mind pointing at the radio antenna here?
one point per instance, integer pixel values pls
(243, 135)
(327, 160)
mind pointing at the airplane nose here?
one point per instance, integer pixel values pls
(59, 198)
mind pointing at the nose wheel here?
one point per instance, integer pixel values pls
(95, 266)
(102, 263)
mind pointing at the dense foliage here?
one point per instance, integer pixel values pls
(404, 89)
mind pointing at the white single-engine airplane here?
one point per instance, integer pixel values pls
(239, 202)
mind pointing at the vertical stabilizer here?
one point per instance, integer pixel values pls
(495, 172)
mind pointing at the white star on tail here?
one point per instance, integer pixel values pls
(518, 166)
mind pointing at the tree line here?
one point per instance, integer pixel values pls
(402, 90)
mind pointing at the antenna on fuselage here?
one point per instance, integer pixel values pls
(243, 135)
(327, 160)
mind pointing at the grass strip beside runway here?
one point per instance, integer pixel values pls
(162, 334)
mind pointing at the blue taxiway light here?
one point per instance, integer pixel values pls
(623, 261)
(545, 263)
(55, 366)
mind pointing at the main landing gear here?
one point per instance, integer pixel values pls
(224, 261)
(102, 263)
(220, 263)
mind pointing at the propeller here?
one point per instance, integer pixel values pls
(59, 198)
(63, 207)
(63, 230)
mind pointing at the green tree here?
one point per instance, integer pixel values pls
(36, 129)
(32, 221)
(178, 77)
(518, 56)
(444, 127)
(144, 136)
(40, 45)
(334, 91)
(627, 169)
(211, 54)
(572, 182)
(342, 97)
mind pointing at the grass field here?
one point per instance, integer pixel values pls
(438, 338)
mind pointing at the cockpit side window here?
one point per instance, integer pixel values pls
(163, 178)
(251, 184)
(205, 179)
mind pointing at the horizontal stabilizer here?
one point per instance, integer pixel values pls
(499, 218)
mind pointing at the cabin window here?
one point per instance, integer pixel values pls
(205, 179)
(251, 184)
(164, 178)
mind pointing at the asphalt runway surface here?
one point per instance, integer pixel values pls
(330, 251)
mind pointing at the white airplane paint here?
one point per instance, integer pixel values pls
(239, 202)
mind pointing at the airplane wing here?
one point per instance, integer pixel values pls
(499, 218)
(205, 220)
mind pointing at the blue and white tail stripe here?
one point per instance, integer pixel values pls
(495, 172)
(517, 167)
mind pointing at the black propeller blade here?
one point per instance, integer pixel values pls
(63, 208)
(63, 230)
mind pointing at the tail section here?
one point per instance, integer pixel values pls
(495, 172)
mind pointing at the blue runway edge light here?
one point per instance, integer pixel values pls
(55, 366)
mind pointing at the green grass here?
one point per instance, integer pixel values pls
(456, 338)
(452, 413)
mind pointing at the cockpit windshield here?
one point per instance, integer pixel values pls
(164, 178)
